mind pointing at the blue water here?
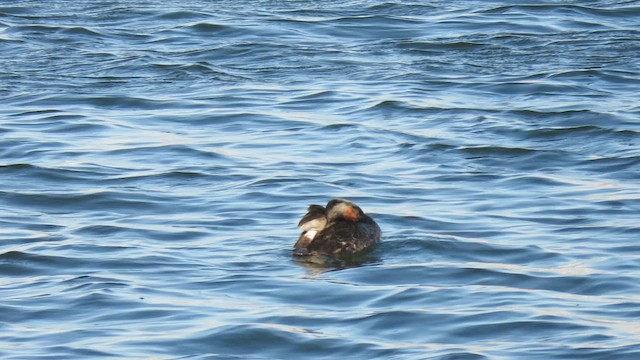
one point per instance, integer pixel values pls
(156, 156)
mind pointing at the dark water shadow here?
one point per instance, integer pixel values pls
(318, 264)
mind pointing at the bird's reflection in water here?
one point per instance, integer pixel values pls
(321, 264)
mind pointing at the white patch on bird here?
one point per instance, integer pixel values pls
(310, 234)
(315, 224)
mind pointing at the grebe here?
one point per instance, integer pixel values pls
(339, 229)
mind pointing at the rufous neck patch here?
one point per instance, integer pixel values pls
(351, 214)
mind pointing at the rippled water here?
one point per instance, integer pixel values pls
(155, 157)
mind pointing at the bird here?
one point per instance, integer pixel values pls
(339, 229)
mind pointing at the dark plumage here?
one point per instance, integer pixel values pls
(339, 229)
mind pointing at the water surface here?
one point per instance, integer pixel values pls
(155, 157)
